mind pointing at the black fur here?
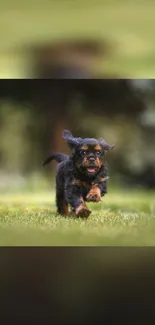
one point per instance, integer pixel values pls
(59, 157)
(82, 176)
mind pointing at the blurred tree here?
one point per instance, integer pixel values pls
(68, 59)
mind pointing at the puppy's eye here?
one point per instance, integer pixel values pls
(98, 153)
(83, 153)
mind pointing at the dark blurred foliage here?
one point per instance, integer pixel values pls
(72, 59)
(78, 285)
(120, 110)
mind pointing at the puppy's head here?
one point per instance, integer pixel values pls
(88, 154)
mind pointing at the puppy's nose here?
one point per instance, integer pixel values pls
(91, 159)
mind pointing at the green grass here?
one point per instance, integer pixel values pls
(122, 218)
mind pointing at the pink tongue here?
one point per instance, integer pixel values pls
(91, 170)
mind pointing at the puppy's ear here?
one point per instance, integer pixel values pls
(106, 147)
(72, 142)
(67, 134)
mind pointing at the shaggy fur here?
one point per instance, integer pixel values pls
(82, 176)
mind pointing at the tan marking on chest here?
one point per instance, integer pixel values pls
(80, 183)
(103, 179)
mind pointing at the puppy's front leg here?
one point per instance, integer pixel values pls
(74, 198)
(97, 191)
(94, 194)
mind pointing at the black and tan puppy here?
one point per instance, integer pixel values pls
(82, 176)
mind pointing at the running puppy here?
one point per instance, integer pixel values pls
(82, 176)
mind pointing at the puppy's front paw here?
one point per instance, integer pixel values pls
(94, 195)
(93, 198)
(82, 211)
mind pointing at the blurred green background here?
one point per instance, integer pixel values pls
(126, 28)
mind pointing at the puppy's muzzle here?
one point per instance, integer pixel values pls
(91, 159)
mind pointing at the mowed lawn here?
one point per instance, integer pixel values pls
(123, 218)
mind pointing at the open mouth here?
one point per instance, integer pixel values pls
(91, 170)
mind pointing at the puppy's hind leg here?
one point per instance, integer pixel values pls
(62, 205)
